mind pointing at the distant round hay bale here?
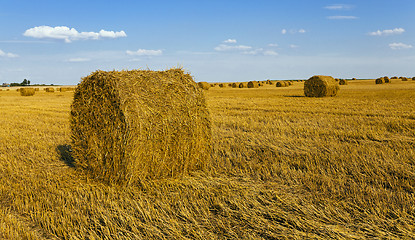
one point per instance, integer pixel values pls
(235, 85)
(280, 84)
(353, 78)
(269, 82)
(252, 84)
(394, 77)
(49, 89)
(222, 85)
(65, 89)
(27, 91)
(413, 78)
(386, 79)
(204, 85)
(286, 84)
(243, 85)
(230, 85)
(404, 79)
(132, 126)
(37, 89)
(343, 82)
(380, 80)
(289, 83)
(320, 86)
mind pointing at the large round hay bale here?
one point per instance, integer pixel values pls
(235, 85)
(343, 82)
(404, 79)
(280, 84)
(252, 84)
(380, 80)
(49, 89)
(204, 85)
(243, 85)
(320, 86)
(131, 126)
(386, 79)
(27, 91)
(413, 78)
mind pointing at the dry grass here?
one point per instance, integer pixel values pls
(339, 168)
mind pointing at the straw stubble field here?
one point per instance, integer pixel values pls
(283, 166)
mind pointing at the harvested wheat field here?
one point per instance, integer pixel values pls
(283, 166)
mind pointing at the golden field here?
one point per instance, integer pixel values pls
(283, 167)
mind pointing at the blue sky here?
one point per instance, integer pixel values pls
(216, 41)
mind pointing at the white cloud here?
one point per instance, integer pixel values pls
(270, 53)
(69, 34)
(341, 17)
(387, 32)
(293, 46)
(272, 45)
(338, 7)
(79, 60)
(224, 47)
(398, 46)
(284, 31)
(301, 31)
(145, 52)
(230, 41)
(8, 55)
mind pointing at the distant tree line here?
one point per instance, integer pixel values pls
(24, 83)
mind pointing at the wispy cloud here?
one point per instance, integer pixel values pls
(293, 31)
(69, 34)
(145, 52)
(8, 55)
(342, 17)
(224, 47)
(399, 46)
(387, 32)
(270, 53)
(79, 60)
(230, 41)
(339, 7)
(272, 45)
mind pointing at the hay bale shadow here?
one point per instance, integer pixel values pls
(65, 155)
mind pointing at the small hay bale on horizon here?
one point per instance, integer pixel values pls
(49, 89)
(321, 86)
(223, 85)
(204, 85)
(235, 85)
(27, 91)
(343, 82)
(280, 84)
(243, 85)
(129, 127)
(404, 79)
(380, 80)
(252, 84)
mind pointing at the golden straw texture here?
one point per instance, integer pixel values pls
(321, 86)
(131, 126)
